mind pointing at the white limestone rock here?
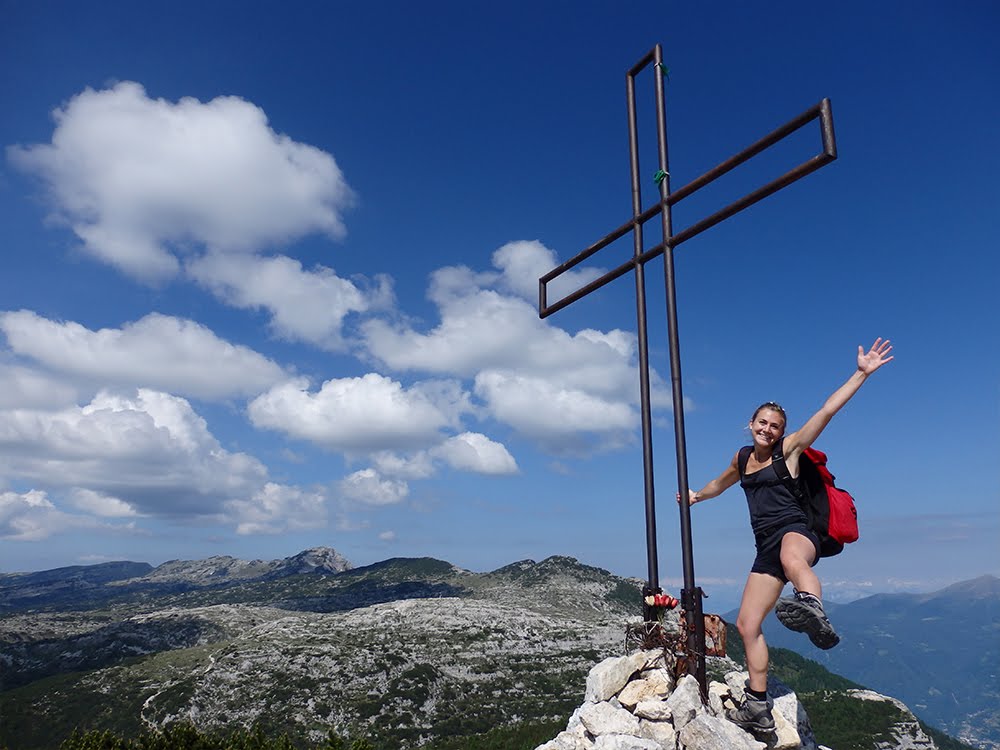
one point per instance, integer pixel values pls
(717, 692)
(608, 677)
(624, 742)
(603, 718)
(568, 741)
(661, 677)
(685, 702)
(574, 722)
(639, 690)
(785, 732)
(706, 732)
(661, 732)
(654, 710)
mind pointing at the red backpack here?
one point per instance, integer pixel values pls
(830, 510)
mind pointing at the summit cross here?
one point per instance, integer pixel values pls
(691, 594)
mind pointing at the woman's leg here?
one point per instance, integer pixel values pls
(797, 556)
(759, 596)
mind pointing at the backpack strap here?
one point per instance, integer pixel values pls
(781, 469)
(743, 459)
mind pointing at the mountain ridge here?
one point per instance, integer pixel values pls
(496, 648)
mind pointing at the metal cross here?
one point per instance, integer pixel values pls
(691, 595)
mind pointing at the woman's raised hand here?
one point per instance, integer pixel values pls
(877, 356)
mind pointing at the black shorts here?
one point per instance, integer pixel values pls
(768, 558)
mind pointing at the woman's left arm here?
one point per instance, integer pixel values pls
(868, 362)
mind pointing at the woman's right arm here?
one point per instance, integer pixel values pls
(717, 486)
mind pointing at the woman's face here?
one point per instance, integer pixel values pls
(767, 427)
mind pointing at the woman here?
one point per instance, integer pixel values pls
(786, 548)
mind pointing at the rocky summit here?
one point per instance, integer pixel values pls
(223, 569)
(635, 702)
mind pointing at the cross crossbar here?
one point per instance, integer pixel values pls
(821, 111)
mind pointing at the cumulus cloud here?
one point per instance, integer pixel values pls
(416, 465)
(158, 351)
(362, 415)
(369, 487)
(472, 451)
(100, 504)
(522, 263)
(144, 455)
(155, 187)
(304, 305)
(482, 329)
(150, 450)
(469, 451)
(564, 390)
(140, 179)
(553, 413)
(148, 454)
(28, 388)
(30, 516)
(276, 508)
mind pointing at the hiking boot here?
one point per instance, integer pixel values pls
(804, 613)
(753, 715)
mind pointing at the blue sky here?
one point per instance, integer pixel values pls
(269, 280)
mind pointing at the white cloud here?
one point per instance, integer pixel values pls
(369, 487)
(140, 179)
(150, 450)
(148, 454)
(276, 508)
(365, 414)
(564, 390)
(387, 536)
(469, 451)
(158, 351)
(474, 452)
(523, 262)
(32, 517)
(27, 388)
(304, 305)
(100, 504)
(29, 516)
(482, 329)
(551, 413)
(417, 465)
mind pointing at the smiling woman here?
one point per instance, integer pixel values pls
(786, 547)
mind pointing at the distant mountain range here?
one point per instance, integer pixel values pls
(404, 651)
(938, 652)
(90, 585)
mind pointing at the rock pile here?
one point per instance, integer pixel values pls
(634, 703)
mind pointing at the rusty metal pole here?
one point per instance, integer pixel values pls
(691, 594)
(652, 565)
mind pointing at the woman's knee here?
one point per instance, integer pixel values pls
(792, 561)
(749, 626)
(797, 552)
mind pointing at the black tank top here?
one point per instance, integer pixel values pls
(772, 505)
